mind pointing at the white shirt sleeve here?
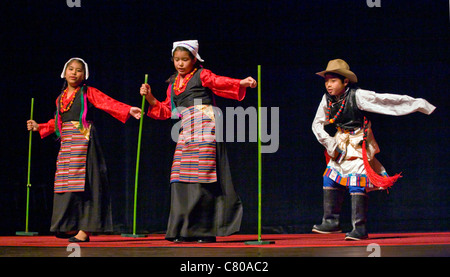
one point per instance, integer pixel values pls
(318, 124)
(391, 104)
(370, 101)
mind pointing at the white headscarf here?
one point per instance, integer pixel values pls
(86, 74)
(191, 45)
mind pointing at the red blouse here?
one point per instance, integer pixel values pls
(221, 86)
(101, 101)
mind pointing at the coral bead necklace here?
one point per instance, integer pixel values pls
(337, 114)
(63, 97)
(186, 79)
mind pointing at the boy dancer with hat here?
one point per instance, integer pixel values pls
(350, 153)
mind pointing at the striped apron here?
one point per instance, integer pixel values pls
(71, 163)
(195, 154)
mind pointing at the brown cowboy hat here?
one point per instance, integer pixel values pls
(340, 67)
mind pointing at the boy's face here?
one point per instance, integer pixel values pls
(334, 85)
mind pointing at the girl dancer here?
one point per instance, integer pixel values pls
(204, 203)
(81, 204)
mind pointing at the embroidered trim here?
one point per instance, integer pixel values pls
(358, 180)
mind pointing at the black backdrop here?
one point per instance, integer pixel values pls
(400, 47)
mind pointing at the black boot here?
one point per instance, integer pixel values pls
(359, 217)
(332, 203)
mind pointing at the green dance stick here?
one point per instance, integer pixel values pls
(27, 233)
(259, 153)
(259, 241)
(136, 178)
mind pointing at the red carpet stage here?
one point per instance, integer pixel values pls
(284, 240)
(391, 244)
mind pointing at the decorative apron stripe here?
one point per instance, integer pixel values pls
(195, 154)
(71, 164)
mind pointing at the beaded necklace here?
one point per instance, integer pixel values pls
(337, 114)
(177, 87)
(83, 113)
(69, 105)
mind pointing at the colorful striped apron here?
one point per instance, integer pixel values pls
(71, 164)
(195, 154)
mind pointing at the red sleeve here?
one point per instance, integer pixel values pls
(222, 86)
(48, 128)
(101, 101)
(161, 110)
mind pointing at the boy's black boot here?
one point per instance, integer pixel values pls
(332, 204)
(359, 217)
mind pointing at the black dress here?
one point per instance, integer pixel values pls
(203, 209)
(89, 209)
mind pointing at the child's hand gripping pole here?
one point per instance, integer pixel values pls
(143, 100)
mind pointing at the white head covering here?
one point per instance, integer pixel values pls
(191, 45)
(86, 74)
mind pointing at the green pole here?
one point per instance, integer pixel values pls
(136, 178)
(27, 233)
(259, 241)
(29, 167)
(259, 153)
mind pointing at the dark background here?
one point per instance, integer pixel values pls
(401, 47)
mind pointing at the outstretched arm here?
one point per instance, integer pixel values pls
(118, 110)
(391, 104)
(225, 86)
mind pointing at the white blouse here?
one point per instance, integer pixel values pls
(370, 101)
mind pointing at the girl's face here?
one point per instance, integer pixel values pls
(183, 62)
(334, 85)
(74, 73)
